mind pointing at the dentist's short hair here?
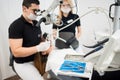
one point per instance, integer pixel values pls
(27, 3)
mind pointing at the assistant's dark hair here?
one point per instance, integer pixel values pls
(27, 3)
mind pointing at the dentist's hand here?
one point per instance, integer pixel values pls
(47, 52)
(43, 46)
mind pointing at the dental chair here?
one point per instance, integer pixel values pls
(11, 63)
(107, 66)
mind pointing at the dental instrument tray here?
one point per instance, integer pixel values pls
(75, 68)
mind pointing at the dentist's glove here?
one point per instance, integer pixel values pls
(43, 46)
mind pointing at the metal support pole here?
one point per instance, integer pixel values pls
(116, 24)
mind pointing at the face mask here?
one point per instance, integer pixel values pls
(65, 10)
(32, 16)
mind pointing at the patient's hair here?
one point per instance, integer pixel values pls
(27, 3)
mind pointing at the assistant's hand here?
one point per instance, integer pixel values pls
(43, 46)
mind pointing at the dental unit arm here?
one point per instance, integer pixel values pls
(109, 60)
